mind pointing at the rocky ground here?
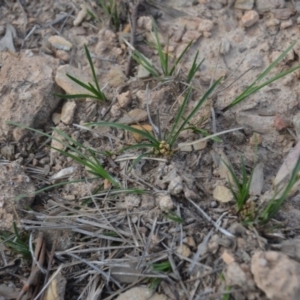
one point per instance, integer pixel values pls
(171, 231)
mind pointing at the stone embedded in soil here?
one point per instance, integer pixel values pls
(268, 5)
(131, 267)
(244, 4)
(132, 201)
(191, 35)
(13, 183)
(8, 151)
(115, 111)
(142, 72)
(141, 293)
(291, 248)
(225, 46)
(82, 14)
(124, 99)
(296, 123)
(116, 77)
(56, 137)
(276, 275)
(164, 201)
(55, 118)
(239, 275)
(222, 194)
(257, 181)
(145, 22)
(175, 186)
(134, 116)
(183, 250)
(250, 18)
(62, 55)
(205, 25)
(68, 85)
(67, 112)
(283, 14)
(288, 165)
(60, 43)
(260, 124)
(26, 92)
(279, 123)
(286, 24)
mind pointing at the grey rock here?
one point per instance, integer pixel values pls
(134, 116)
(13, 183)
(244, 4)
(26, 92)
(257, 181)
(267, 5)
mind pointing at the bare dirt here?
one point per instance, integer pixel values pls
(172, 231)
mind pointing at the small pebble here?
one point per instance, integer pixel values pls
(213, 204)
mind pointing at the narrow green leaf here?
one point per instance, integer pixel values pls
(275, 62)
(180, 57)
(194, 111)
(139, 158)
(75, 96)
(276, 202)
(88, 55)
(143, 133)
(254, 88)
(173, 217)
(179, 115)
(162, 57)
(82, 84)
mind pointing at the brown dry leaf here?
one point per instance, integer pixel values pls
(138, 138)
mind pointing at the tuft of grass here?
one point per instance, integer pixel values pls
(77, 152)
(239, 187)
(164, 267)
(167, 69)
(165, 146)
(94, 90)
(257, 85)
(272, 208)
(110, 9)
(17, 242)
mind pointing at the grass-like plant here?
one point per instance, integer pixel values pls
(168, 69)
(110, 9)
(162, 267)
(257, 84)
(240, 186)
(17, 242)
(77, 152)
(94, 90)
(166, 145)
(272, 208)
